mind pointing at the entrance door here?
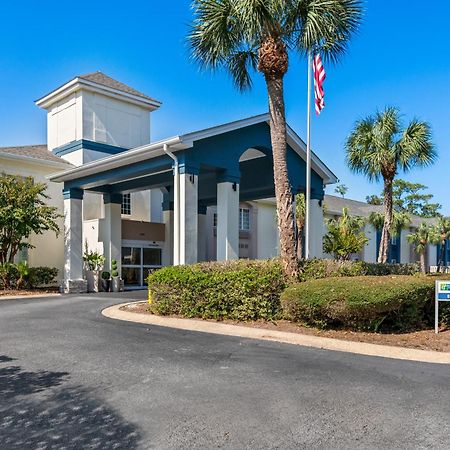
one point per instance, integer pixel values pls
(138, 262)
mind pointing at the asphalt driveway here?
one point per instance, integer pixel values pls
(71, 378)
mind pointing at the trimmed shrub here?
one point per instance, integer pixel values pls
(240, 290)
(325, 268)
(19, 276)
(42, 276)
(395, 303)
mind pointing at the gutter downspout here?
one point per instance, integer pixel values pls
(176, 212)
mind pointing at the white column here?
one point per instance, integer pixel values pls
(404, 247)
(227, 221)
(202, 235)
(112, 236)
(370, 249)
(156, 199)
(316, 229)
(167, 250)
(188, 218)
(73, 241)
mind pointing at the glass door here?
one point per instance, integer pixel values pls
(137, 263)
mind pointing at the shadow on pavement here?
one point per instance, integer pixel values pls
(39, 410)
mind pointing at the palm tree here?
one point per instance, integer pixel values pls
(379, 147)
(246, 35)
(443, 230)
(345, 236)
(424, 235)
(300, 214)
(341, 189)
(400, 221)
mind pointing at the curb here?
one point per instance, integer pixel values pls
(360, 348)
(24, 297)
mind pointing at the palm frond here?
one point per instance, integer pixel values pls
(415, 147)
(324, 25)
(239, 65)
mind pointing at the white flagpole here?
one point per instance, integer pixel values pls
(308, 162)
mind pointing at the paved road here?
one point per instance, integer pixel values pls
(72, 379)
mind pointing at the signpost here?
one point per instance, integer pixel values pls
(442, 295)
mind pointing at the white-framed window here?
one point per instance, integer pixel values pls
(126, 204)
(244, 219)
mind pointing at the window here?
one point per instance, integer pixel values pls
(126, 204)
(244, 219)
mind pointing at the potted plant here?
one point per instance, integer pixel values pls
(94, 263)
(115, 284)
(106, 281)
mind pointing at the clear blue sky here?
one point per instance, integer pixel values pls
(399, 57)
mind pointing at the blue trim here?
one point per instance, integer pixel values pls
(227, 177)
(191, 170)
(444, 297)
(112, 198)
(73, 193)
(87, 145)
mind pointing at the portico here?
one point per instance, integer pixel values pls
(220, 166)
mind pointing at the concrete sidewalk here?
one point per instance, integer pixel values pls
(361, 348)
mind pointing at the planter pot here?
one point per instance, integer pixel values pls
(106, 285)
(115, 284)
(93, 280)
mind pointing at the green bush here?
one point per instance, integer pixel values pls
(42, 276)
(325, 268)
(240, 290)
(395, 303)
(20, 276)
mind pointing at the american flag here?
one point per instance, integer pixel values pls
(319, 78)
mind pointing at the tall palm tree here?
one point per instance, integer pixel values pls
(379, 147)
(424, 235)
(246, 35)
(443, 230)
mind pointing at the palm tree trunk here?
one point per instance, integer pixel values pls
(386, 233)
(422, 262)
(283, 192)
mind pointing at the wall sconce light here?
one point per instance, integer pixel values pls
(191, 178)
(234, 187)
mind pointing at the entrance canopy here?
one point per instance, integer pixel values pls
(220, 166)
(237, 152)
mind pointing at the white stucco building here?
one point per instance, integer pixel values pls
(200, 196)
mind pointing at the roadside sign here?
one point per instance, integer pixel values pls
(442, 295)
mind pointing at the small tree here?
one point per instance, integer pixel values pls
(345, 236)
(424, 235)
(23, 211)
(300, 214)
(341, 189)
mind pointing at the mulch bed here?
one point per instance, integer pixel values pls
(423, 339)
(38, 291)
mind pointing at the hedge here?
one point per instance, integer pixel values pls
(395, 303)
(31, 277)
(240, 290)
(324, 268)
